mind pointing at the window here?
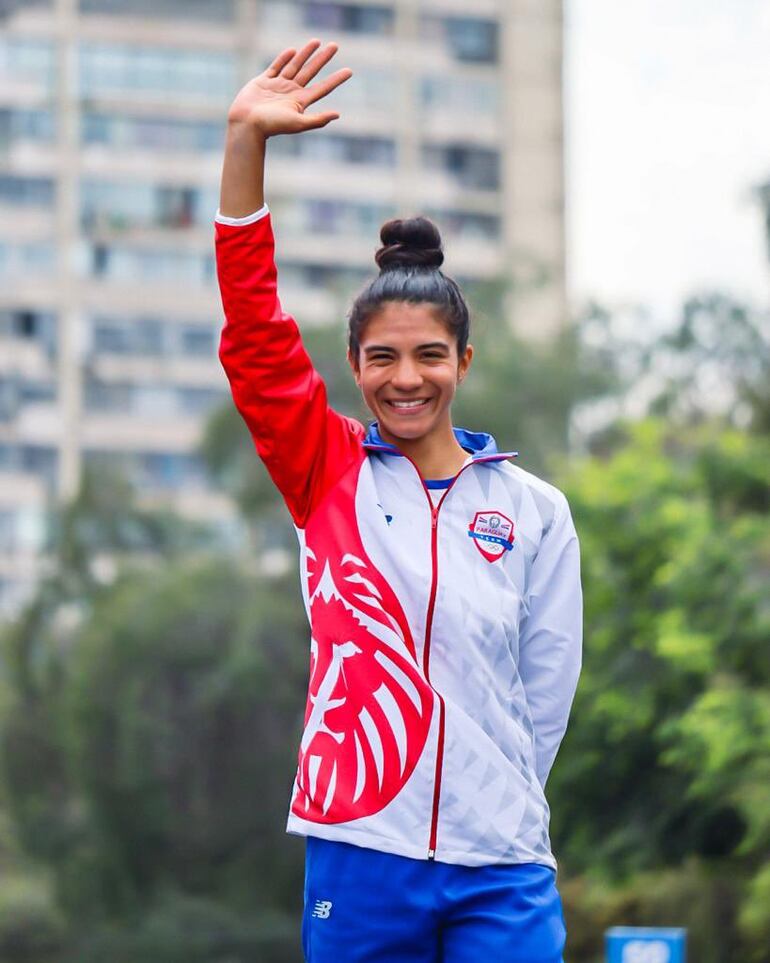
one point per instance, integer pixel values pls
(7, 529)
(166, 470)
(37, 392)
(152, 470)
(477, 168)
(26, 324)
(100, 260)
(39, 461)
(460, 94)
(175, 206)
(472, 39)
(106, 204)
(338, 148)
(217, 11)
(153, 133)
(352, 18)
(9, 457)
(9, 398)
(374, 89)
(198, 401)
(106, 397)
(33, 259)
(26, 191)
(16, 391)
(205, 205)
(9, 7)
(148, 337)
(25, 125)
(280, 15)
(152, 337)
(468, 39)
(155, 72)
(29, 324)
(198, 342)
(26, 61)
(154, 265)
(340, 217)
(321, 277)
(111, 337)
(466, 224)
(118, 206)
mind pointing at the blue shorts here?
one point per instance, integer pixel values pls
(364, 905)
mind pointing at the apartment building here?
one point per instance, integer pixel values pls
(111, 128)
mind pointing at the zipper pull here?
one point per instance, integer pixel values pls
(433, 517)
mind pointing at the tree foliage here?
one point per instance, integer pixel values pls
(667, 760)
(153, 765)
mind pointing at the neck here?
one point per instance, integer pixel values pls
(435, 455)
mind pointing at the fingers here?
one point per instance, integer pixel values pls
(316, 91)
(312, 67)
(294, 65)
(280, 62)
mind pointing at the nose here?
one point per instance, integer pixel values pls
(407, 375)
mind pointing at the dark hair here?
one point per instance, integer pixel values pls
(409, 260)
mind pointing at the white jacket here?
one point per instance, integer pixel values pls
(445, 639)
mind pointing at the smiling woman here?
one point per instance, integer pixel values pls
(408, 345)
(441, 583)
(407, 361)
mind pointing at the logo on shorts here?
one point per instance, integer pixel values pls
(492, 534)
(322, 909)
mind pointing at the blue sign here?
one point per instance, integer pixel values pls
(643, 944)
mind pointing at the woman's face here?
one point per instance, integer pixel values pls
(408, 370)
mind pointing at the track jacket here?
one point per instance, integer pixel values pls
(445, 639)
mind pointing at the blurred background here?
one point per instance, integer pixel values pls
(601, 176)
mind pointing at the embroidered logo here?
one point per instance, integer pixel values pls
(322, 909)
(492, 534)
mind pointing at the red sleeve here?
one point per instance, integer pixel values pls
(304, 443)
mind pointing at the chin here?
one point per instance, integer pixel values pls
(407, 432)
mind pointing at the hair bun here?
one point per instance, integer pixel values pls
(411, 242)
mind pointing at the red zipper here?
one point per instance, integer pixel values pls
(426, 671)
(434, 510)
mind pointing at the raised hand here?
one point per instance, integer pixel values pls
(275, 101)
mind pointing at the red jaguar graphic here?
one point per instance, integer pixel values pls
(369, 710)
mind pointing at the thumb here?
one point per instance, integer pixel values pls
(312, 121)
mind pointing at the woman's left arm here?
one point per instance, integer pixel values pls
(551, 635)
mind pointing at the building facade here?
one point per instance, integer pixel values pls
(111, 130)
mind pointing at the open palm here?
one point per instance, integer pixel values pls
(275, 101)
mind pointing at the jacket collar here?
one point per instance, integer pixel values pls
(479, 444)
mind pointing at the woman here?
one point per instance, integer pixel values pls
(441, 583)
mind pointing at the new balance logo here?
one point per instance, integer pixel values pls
(322, 909)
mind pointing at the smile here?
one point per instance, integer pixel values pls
(409, 405)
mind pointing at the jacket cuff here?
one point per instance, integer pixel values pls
(241, 221)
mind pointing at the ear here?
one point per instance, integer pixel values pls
(464, 363)
(354, 367)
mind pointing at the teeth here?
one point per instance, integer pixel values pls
(408, 404)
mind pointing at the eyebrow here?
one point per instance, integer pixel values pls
(372, 348)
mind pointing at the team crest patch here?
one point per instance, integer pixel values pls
(492, 534)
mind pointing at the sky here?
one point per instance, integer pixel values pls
(667, 130)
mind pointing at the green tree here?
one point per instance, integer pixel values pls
(160, 774)
(666, 758)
